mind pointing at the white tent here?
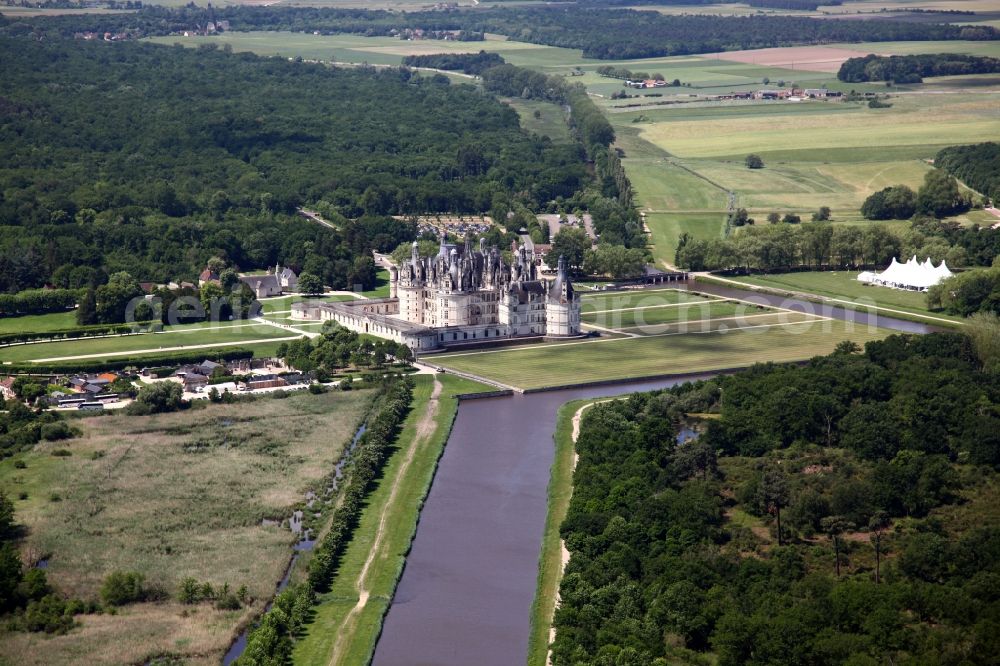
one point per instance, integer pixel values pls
(912, 275)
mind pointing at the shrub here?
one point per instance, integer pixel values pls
(122, 587)
(20, 464)
(52, 432)
(754, 162)
(62, 453)
(317, 389)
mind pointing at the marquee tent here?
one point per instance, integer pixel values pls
(913, 275)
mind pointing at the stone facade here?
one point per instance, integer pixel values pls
(461, 297)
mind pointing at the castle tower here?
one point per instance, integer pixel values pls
(562, 305)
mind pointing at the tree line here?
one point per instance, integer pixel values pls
(939, 196)
(463, 62)
(828, 514)
(913, 68)
(271, 640)
(601, 32)
(978, 166)
(777, 247)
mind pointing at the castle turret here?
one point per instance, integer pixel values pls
(562, 305)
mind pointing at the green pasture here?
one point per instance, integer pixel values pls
(145, 343)
(666, 228)
(663, 185)
(844, 288)
(805, 186)
(557, 364)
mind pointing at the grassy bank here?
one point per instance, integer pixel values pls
(348, 618)
(550, 563)
(171, 496)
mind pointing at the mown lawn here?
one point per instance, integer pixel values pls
(53, 321)
(559, 364)
(228, 334)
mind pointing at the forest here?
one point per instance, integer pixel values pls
(152, 160)
(599, 32)
(913, 68)
(463, 62)
(978, 166)
(840, 512)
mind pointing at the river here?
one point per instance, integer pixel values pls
(470, 577)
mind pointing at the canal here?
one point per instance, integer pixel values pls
(469, 581)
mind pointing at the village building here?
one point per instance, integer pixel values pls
(275, 283)
(460, 297)
(7, 388)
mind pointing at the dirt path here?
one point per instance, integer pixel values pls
(424, 430)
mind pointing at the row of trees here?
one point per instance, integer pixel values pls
(663, 571)
(37, 301)
(968, 292)
(270, 642)
(817, 245)
(913, 68)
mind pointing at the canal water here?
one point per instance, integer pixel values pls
(466, 592)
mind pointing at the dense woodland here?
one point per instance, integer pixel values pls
(913, 68)
(151, 160)
(978, 166)
(599, 32)
(836, 513)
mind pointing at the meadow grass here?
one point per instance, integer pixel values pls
(551, 120)
(171, 496)
(607, 359)
(399, 524)
(666, 229)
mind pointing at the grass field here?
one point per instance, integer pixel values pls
(171, 496)
(551, 120)
(844, 286)
(284, 304)
(180, 338)
(38, 323)
(725, 334)
(406, 482)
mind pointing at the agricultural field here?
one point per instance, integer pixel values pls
(171, 496)
(725, 334)
(844, 288)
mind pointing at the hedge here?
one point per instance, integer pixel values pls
(76, 332)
